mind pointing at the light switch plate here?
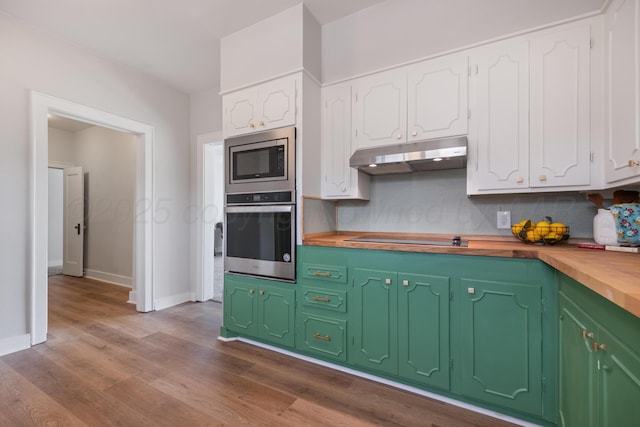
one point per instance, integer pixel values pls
(504, 220)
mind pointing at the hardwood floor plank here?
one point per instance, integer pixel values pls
(305, 413)
(23, 404)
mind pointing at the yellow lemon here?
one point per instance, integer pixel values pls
(532, 237)
(558, 227)
(551, 236)
(543, 228)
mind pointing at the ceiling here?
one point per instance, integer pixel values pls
(177, 42)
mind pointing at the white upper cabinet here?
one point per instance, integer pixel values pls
(622, 153)
(420, 101)
(380, 109)
(499, 138)
(262, 107)
(437, 92)
(560, 143)
(339, 180)
(530, 127)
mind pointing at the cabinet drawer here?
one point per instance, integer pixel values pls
(324, 336)
(328, 273)
(330, 300)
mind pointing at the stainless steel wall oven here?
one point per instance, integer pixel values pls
(260, 210)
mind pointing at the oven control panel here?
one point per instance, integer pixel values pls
(260, 198)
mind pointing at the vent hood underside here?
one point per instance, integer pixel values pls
(433, 154)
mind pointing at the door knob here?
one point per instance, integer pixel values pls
(633, 163)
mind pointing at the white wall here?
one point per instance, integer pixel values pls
(32, 60)
(54, 253)
(398, 31)
(108, 159)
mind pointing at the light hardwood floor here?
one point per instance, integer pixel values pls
(106, 364)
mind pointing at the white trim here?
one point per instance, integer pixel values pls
(132, 296)
(41, 106)
(170, 301)
(204, 232)
(397, 385)
(114, 279)
(13, 344)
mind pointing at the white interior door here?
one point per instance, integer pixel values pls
(73, 241)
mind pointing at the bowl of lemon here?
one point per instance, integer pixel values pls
(545, 232)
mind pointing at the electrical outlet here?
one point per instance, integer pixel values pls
(504, 220)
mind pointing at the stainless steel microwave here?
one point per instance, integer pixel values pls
(261, 162)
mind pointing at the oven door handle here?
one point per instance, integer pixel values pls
(259, 209)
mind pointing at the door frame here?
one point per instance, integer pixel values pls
(204, 229)
(41, 106)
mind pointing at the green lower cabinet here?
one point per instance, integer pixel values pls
(599, 370)
(401, 325)
(259, 310)
(501, 339)
(374, 319)
(423, 329)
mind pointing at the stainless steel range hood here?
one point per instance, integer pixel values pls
(427, 155)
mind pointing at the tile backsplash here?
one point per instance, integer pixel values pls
(436, 202)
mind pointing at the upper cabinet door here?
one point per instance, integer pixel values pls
(239, 112)
(277, 103)
(380, 109)
(339, 180)
(622, 87)
(499, 138)
(262, 107)
(560, 147)
(438, 98)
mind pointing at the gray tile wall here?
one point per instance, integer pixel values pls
(436, 202)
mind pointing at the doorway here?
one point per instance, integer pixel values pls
(210, 229)
(41, 106)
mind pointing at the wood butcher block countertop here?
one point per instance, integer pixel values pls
(614, 275)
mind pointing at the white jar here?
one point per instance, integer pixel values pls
(604, 228)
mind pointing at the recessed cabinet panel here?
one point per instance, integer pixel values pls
(375, 320)
(325, 299)
(502, 139)
(502, 332)
(240, 307)
(622, 81)
(438, 98)
(240, 112)
(380, 109)
(324, 336)
(276, 311)
(423, 329)
(560, 127)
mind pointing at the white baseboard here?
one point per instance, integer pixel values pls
(13, 344)
(55, 263)
(116, 279)
(166, 302)
(132, 297)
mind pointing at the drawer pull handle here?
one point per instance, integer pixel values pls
(322, 337)
(321, 299)
(322, 274)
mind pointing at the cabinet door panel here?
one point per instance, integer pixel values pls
(324, 336)
(240, 307)
(276, 311)
(577, 361)
(438, 98)
(501, 145)
(375, 320)
(277, 104)
(622, 79)
(240, 112)
(380, 109)
(560, 118)
(501, 344)
(423, 329)
(620, 383)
